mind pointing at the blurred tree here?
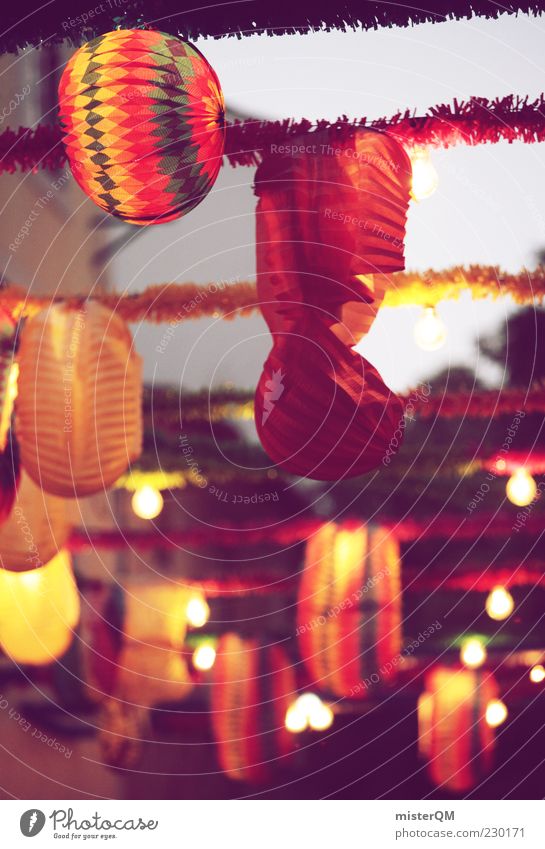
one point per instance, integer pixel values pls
(519, 347)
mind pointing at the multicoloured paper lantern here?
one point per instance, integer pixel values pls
(36, 529)
(453, 735)
(39, 610)
(349, 609)
(79, 408)
(253, 687)
(330, 228)
(143, 117)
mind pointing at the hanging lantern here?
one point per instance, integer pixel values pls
(521, 488)
(9, 455)
(499, 603)
(453, 734)
(473, 652)
(349, 609)
(253, 688)
(143, 118)
(149, 666)
(79, 408)
(37, 527)
(330, 229)
(39, 610)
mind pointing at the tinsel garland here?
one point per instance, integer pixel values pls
(53, 23)
(177, 302)
(478, 120)
(293, 531)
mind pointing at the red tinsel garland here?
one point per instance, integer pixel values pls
(475, 121)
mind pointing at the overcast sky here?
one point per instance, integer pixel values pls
(489, 207)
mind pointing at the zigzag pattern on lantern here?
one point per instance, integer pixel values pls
(254, 685)
(453, 736)
(330, 226)
(349, 609)
(142, 113)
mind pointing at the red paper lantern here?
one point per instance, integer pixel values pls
(453, 735)
(142, 113)
(253, 687)
(330, 229)
(349, 609)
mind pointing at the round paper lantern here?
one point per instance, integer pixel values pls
(349, 609)
(37, 527)
(253, 688)
(143, 117)
(453, 735)
(39, 610)
(330, 228)
(79, 408)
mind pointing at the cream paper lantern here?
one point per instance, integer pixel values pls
(79, 409)
(37, 527)
(39, 610)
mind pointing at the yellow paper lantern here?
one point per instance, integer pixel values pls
(37, 527)
(79, 408)
(38, 611)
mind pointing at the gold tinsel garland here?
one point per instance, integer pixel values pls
(176, 302)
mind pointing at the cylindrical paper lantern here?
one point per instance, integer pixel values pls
(349, 609)
(79, 408)
(143, 117)
(253, 687)
(330, 229)
(37, 527)
(39, 610)
(453, 735)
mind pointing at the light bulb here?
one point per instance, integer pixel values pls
(537, 673)
(424, 176)
(429, 331)
(308, 702)
(521, 488)
(321, 717)
(204, 657)
(496, 713)
(147, 502)
(296, 720)
(197, 612)
(473, 653)
(499, 604)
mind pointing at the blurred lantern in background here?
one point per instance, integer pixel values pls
(349, 608)
(521, 488)
(204, 657)
(429, 331)
(79, 408)
(454, 736)
(39, 610)
(308, 711)
(537, 674)
(253, 688)
(197, 611)
(147, 502)
(37, 527)
(496, 713)
(473, 652)
(143, 117)
(424, 175)
(499, 604)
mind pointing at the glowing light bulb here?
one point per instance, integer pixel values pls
(499, 604)
(496, 713)
(197, 612)
(521, 488)
(147, 502)
(308, 702)
(424, 176)
(321, 717)
(429, 331)
(296, 720)
(204, 657)
(472, 653)
(537, 673)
